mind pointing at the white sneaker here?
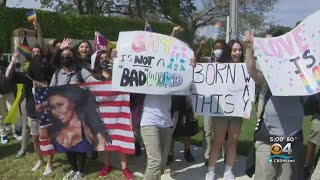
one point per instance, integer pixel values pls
(48, 170)
(210, 176)
(36, 167)
(78, 176)
(4, 139)
(69, 175)
(228, 176)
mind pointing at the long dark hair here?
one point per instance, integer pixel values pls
(40, 69)
(229, 50)
(77, 50)
(86, 109)
(97, 70)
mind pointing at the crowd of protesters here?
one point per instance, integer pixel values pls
(158, 115)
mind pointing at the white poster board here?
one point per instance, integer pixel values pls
(290, 63)
(222, 89)
(152, 63)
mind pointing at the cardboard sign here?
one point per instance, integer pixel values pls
(152, 63)
(222, 89)
(290, 63)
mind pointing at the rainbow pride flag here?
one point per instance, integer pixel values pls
(31, 15)
(24, 50)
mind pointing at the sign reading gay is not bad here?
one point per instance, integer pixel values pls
(152, 63)
(290, 63)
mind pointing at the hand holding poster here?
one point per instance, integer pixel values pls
(222, 89)
(290, 63)
(76, 124)
(152, 63)
(95, 114)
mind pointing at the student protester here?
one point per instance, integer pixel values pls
(218, 47)
(226, 126)
(103, 71)
(156, 131)
(82, 56)
(55, 58)
(282, 116)
(8, 90)
(84, 51)
(71, 73)
(182, 106)
(27, 79)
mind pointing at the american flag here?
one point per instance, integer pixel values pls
(115, 112)
(41, 96)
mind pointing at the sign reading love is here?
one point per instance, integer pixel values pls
(290, 63)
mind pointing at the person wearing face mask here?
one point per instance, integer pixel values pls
(70, 72)
(226, 129)
(102, 70)
(218, 47)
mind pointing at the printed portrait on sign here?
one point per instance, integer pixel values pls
(75, 121)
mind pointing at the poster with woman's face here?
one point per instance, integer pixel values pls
(72, 120)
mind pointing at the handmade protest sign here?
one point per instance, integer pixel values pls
(91, 115)
(152, 63)
(290, 63)
(222, 89)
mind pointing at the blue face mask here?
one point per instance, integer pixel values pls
(104, 65)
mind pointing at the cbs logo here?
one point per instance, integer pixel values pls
(277, 148)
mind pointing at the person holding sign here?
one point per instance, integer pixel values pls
(71, 73)
(281, 117)
(156, 131)
(226, 126)
(103, 71)
(217, 49)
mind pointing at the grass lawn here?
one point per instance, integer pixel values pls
(247, 131)
(13, 168)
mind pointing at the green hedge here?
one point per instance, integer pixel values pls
(55, 25)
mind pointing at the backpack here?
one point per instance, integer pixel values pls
(77, 73)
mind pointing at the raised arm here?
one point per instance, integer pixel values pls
(55, 59)
(176, 30)
(255, 74)
(37, 27)
(13, 62)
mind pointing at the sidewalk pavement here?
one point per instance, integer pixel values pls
(182, 170)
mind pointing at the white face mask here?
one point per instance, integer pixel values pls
(217, 53)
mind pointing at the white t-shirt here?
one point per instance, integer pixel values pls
(156, 111)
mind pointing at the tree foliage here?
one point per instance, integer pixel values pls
(3, 3)
(189, 14)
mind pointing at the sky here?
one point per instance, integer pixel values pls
(285, 12)
(288, 12)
